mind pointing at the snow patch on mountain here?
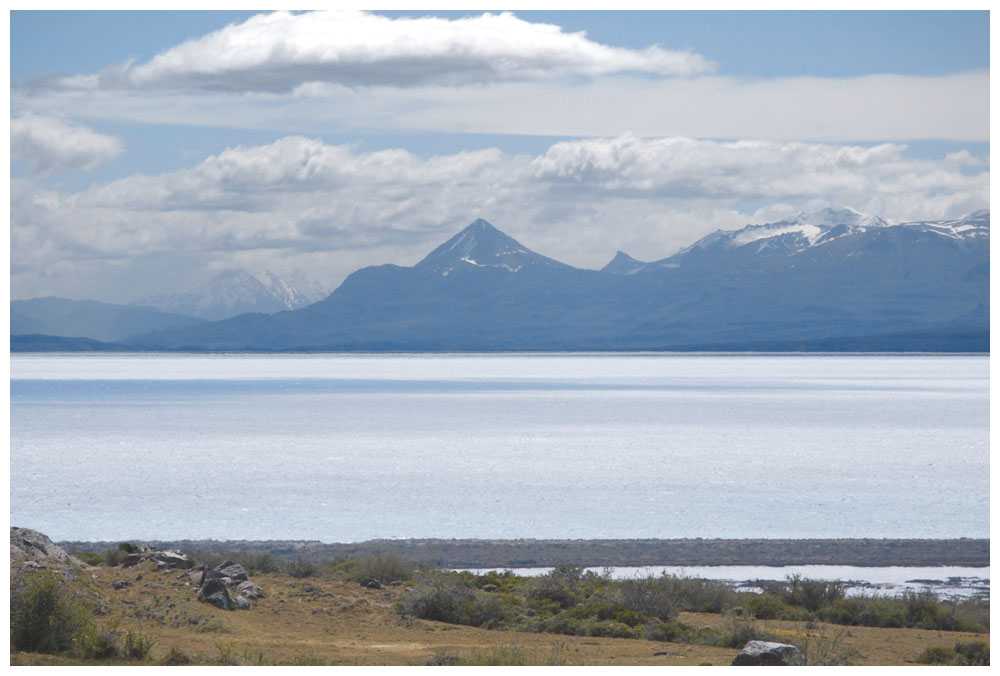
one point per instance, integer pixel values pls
(233, 292)
(480, 245)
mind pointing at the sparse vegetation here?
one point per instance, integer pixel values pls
(386, 567)
(44, 618)
(974, 653)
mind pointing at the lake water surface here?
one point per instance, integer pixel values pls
(344, 448)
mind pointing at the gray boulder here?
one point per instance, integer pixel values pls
(233, 571)
(216, 593)
(242, 603)
(250, 590)
(164, 559)
(768, 654)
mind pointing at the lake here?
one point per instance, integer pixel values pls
(343, 448)
(954, 582)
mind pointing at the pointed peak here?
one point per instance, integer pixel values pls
(480, 244)
(480, 224)
(623, 264)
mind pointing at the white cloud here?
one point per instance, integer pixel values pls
(871, 108)
(300, 204)
(750, 170)
(47, 144)
(281, 50)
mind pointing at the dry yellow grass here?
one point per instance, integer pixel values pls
(322, 621)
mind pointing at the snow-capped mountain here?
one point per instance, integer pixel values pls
(805, 231)
(231, 293)
(838, 280)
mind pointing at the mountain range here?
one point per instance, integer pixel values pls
(830, 280)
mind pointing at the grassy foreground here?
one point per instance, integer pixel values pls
(314, 620)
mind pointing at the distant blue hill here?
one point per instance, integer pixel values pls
(89, 319)
(835, 280)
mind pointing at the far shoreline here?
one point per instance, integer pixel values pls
(525, 553)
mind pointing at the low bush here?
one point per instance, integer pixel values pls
(561, 584)
(975, 653)
(922, 610)
(44, 618)
(300, 568)
(443, 597)
(770, 607)
(261, 563)
(90, 558)
(137, 645)
(97, 644)
(112, 557)
(672, 632)
(175, 658)
(385, 567)
(737, 631)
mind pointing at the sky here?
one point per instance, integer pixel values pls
(152, 150)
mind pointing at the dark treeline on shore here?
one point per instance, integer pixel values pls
(680, 552)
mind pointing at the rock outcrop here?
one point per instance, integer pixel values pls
(215, 583)
(167, 559)
(30, 545)
(768, 654)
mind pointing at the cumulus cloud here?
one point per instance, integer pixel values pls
(280, 51)
(47, 144)
(326, 210)
(750, 170)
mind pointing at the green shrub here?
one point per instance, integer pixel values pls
(936, 655)
(385, 567)
(443, 597)
(922, 610)
(737, 631)
(113, 557)
(974, 653)
(43, 617)
(561, 584)
(175, 658)
(90, 558)
(128, 547)
(262, 563)
(300, 568)
(137, 645)
(673, 632)
(770, 607)
(95, 644)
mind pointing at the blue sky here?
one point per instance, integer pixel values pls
(141, 162)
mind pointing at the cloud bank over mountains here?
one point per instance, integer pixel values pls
(651, 148)
(299, 198)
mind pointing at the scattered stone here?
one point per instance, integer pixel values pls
(120, 584)
(769, 654)
(371, 583)
(308, 588)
